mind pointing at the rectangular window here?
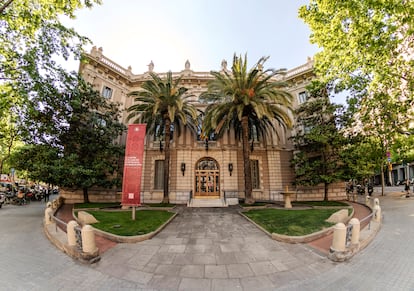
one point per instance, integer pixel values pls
(159, 175)
(254, 168)
(254, 134)
(106, 92)
(303, 96)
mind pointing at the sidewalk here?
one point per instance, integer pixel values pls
(212, 249)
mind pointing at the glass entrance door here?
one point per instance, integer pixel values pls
(207, 178)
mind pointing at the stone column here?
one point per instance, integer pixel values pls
(48, 215)
(377, 210)
(88, 240)
(71, 233)
(339, 237)
(356, 227)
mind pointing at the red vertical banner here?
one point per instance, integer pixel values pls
(134, 154)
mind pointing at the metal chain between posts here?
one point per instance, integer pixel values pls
(348, 234)
(78, 233)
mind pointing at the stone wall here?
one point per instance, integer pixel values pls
(336, 191)
(95, 195)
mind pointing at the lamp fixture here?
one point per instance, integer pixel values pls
(183, 168)
(230, 168)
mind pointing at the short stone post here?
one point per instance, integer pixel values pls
(88, 240)
(71, 233)
(48, 215)
(356, 227)
(367, 200)
(377, 210)
(339, 237)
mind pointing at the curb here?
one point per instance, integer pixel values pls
(132, 239)
(58, 238)
(296, 239)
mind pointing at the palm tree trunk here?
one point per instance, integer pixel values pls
(167, 154)
(246, 160)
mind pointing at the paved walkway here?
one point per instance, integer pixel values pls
(29, 261)
(212, 249)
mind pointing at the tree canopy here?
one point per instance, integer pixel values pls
(84, 152)
(33, 40)
(368, 45)
(318, 140)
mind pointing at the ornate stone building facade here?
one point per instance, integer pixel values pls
(201, 169)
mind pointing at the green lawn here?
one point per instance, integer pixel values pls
(121, 223)
(291, 222)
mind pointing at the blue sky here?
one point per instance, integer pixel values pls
(134, 32)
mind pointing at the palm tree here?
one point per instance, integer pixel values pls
(245, 100)
(163, 106)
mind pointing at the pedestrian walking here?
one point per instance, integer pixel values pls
(47, 193)
(407, 188)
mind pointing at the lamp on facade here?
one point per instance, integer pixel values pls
(230, 168)
(183, 168)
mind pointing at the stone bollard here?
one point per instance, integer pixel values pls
(356, 227)
(48, 215)
(71, 233)
(367, 200)
(88, 240)
(377, 210)
(339, 237)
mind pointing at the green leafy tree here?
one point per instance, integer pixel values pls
(39, 162)
(243, 99)
(84, 152)
(368, 46)
(164, 106)
(33, 40)
(8, 139)
(368, 138)
(90, 154)
(318, 140)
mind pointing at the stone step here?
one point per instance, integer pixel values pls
(200, 202)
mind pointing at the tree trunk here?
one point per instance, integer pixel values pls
(85, 195)
(382, 179)
(167, 153)
(246, 160)
(325, 195)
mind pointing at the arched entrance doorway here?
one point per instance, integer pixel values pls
(207, 179)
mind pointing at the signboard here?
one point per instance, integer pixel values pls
(134, 153)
